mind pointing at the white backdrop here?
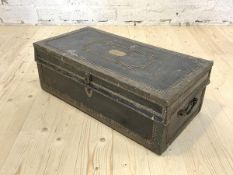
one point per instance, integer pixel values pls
(175, 12)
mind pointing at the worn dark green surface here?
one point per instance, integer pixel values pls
(151, 66)
(137, 89)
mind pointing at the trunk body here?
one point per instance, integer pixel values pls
(146, 93)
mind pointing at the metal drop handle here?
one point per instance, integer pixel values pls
(187, 110)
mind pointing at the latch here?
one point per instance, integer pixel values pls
(87, 81)
(87, 78)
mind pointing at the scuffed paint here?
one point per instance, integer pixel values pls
(166, 20)
(133, 22)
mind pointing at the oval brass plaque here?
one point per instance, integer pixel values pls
(117, 52)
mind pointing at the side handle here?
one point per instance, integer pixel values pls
(188, 109)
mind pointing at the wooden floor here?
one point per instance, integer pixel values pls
(40, 134)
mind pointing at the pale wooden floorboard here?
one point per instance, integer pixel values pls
(40, 134)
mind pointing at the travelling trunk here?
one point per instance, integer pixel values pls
(147, 93)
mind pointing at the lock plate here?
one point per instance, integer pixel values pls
(87, 81)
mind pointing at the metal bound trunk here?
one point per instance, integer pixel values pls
(146, 93)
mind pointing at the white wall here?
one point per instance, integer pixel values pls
(184, 12)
